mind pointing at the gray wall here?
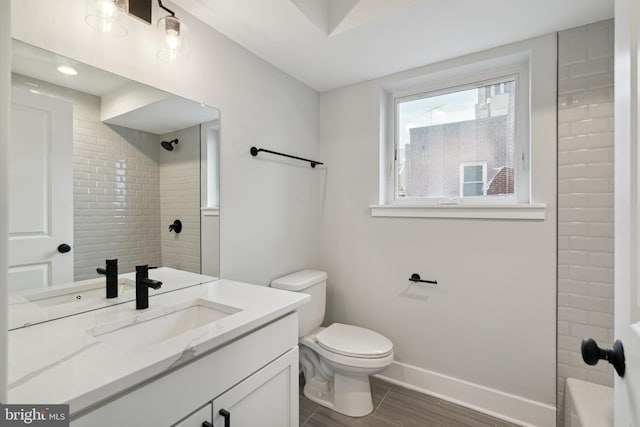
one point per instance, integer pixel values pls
(491, 321)
(495, 299)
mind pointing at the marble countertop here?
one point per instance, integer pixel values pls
(28, 307)
(62, 361)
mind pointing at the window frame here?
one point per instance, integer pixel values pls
(517, 70)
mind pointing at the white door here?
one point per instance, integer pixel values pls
(40, 191)
(627, 209)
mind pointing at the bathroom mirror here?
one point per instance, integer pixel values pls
(102, 167)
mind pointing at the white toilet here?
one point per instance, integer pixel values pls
(336, 360)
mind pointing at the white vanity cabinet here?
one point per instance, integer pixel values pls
(264, 399)
(254, 378)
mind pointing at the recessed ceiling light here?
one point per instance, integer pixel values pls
(67, 70)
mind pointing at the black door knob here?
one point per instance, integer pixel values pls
(207, 424)
(591, 354)
(64, 248)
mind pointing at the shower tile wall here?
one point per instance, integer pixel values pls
(585, 199)
(116, 193)
(180, 184)
(116, 187)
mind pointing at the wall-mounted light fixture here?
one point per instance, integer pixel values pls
(107, 16)
(172, 37)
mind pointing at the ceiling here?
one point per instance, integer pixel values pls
(165, 114)
(332, 43)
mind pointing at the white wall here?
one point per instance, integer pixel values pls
(585, 199)
(5, 104)
(268, 207)
(491, 320)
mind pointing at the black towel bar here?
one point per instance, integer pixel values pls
(254, 152)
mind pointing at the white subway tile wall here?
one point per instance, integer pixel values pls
(116, 192)
(585, 200)
(122, 217)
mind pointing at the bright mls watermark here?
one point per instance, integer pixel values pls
(34, 415)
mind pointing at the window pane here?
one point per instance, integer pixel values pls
(472, 189)
(473, 173)
(436, 133)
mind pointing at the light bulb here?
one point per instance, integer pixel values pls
(108, 9)
(172, 42)
(107, 16)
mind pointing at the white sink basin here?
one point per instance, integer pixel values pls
(76, 294)
(155, 327)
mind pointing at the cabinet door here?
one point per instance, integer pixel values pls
(200, 418)
(268, 398)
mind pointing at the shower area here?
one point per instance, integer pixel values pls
(153, 188)
(585, 200)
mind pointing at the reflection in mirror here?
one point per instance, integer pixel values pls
(102, 167)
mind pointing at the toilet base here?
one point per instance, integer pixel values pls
(348, 395)
(336, 381)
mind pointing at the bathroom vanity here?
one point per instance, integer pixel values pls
(210, 353)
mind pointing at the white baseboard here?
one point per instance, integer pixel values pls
(492, 402)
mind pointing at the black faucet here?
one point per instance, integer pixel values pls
(111, 271)
(143, 283)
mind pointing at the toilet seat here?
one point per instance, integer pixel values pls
(347, 361)
(353, 341)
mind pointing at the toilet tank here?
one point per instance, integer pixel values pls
(310, 282)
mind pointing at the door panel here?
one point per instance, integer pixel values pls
(627, 197)
(40, 190)
(23, 277)
(268, 398)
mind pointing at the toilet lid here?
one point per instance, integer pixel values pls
(354, 341)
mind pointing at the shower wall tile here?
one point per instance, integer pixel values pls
(180, 187)
(116, 187)
(585, 200)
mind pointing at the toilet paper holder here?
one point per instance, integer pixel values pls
(415, 277)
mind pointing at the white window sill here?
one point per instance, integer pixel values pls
(526, 212)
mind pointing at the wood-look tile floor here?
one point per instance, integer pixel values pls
(395, 406)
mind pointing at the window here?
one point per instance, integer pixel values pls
(454, 101)
(473, 177)
(459, 143)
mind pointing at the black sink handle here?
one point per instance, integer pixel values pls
(176, 226)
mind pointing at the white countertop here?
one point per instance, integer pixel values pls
(23, 311)
(60, 361)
